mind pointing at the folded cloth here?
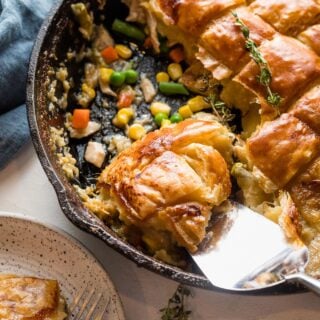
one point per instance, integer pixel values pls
(14, 133)
(20, 21)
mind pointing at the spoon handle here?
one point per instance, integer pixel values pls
(309, 282)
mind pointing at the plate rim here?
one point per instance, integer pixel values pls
(116, 299)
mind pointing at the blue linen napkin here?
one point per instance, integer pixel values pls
(20, 21)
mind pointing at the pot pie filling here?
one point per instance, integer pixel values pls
(196, 128)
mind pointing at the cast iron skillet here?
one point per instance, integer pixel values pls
(55, 36)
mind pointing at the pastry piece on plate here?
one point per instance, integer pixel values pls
(288, 16)
(168, 182)
(29, 298)
(281, 148)
(311, 37)
(293, 67)
(224, 42)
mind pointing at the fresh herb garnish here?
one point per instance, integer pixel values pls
(220, 110)
(265, 77)
(175, 309)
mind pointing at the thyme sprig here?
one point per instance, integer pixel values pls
(265, 77)
(175, 309)
(220, 110)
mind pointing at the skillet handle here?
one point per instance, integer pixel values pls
(309, 282)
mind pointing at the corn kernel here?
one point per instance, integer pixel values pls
(121, 120)
(105, 74)
(175, 71)
(126, 111)
(123, 51)
(162, 77)
(197, 104)
(123, 117)
(136, 131)
(120, 123)
(88, 90)
(165, 123)
(185, 112)
(160, 107)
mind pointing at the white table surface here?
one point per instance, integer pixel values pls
(24, 188)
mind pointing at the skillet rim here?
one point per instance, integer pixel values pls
(70, 203)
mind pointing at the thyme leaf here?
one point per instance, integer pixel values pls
(220, 110)
(265, 76)
(175, 309)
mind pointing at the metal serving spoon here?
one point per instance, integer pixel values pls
(247, 252)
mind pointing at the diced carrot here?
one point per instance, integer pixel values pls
(125, 99)
(80, 118)
(109, 54)
(177, 54)
(148, 43)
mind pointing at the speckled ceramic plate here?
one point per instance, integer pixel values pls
(29, 247)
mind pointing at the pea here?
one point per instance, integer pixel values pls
(159, 117)
(117, 79)
(131, 76)
(176, 117)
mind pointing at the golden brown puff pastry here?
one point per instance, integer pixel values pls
(289, 17)
(311, 37)
(289, 219)
(26, 298)
(293, 66)
(193, 16)
(313, 266)
(305, 192)
(224, 40)
(307, 108)
(282, 147)
(171, 179)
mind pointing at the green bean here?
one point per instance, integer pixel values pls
(171, 88)
(128, 30)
